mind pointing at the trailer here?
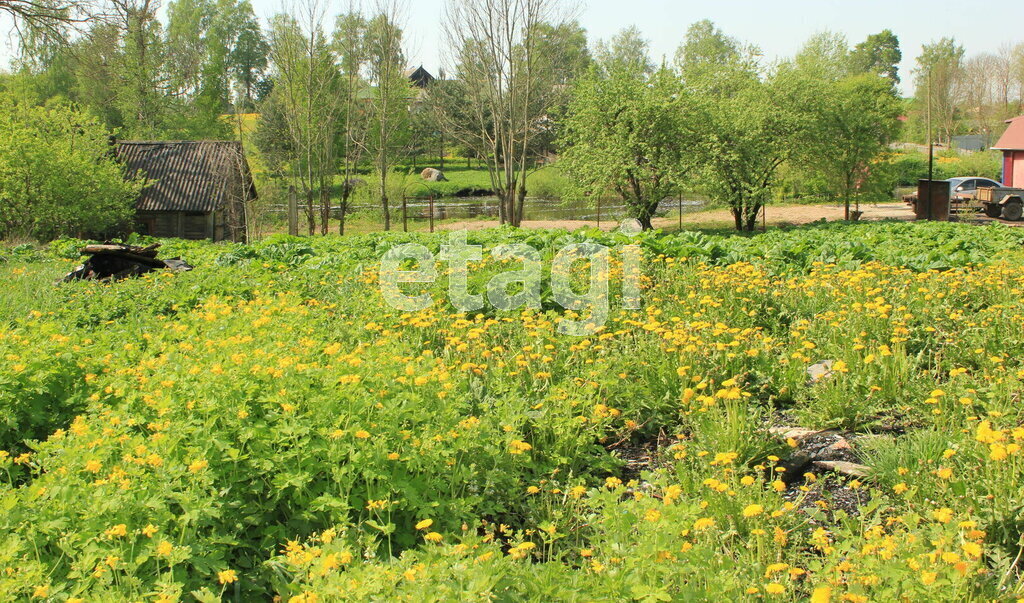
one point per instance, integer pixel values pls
(1002, 202)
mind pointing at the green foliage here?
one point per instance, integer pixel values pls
(57, 176)
(627, 133)
(267, 417)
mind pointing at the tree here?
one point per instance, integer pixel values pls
(855, 119)
(495, 46)
(57, 175)
(140, 73)
(387, 99)
(748, 127)
(879, 54)
(306, 84)
(939, 72)
(627, 51)
(627, 132)
(705, 47)
(248, 59)
(824, 57)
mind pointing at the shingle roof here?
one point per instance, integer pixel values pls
(190, 175)
(1013, 138)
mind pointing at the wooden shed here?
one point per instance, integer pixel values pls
(1011, 143)
(200, 188)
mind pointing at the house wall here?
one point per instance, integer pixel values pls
(182, 225)
(1007, 168)
(1018, 169)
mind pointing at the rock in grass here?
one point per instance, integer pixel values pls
(843, 467)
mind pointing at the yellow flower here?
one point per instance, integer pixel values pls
(227, 576)
(41, 592)
(821, 594)
(928, 577)
(424, 524)
(943, 515)
(117, 531)
(362, 434)
(149, 530)
(774, 588)
(753, 510)
(197, 466)
(703, 523)
(93, 466)
(433, 537)
(747, 480)
(164, 548)
(532, 490)
(612, 482)
(518, 447)
(900, 488)
(972, 549)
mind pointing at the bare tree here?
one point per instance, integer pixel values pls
(307, 82)
(496, 61)
(388, 97)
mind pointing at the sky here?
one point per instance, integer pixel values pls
(778, 27)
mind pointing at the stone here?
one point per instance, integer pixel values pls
(819, 370)
(433, 175)
(843, 467)
(797, 433)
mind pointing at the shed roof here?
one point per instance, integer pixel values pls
(1013, 138)
(193, 176)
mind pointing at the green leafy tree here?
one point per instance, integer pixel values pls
(706, 47)
(627, 132)
(855, 119)
(879, 54)
(749, 125)
(249, 57)
(626, 51)
(57, 176)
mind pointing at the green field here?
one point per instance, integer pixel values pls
(266, 426)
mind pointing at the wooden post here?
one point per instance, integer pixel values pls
(680, 212)
(405, 214)
(293, 212)
(431, 212)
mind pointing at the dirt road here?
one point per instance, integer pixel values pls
(777, 216)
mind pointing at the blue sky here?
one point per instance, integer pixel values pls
(778, 27)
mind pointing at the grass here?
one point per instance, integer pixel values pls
(267, 426)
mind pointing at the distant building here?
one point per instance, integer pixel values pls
(1011, 143)
(200, 188)
(419, 77)
(971, 142)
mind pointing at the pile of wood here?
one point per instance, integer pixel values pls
(114, 261)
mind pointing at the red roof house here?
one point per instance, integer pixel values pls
(1011, 143)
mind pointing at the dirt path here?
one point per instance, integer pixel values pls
(777, 216)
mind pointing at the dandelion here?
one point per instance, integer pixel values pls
(424, 524)
(821, 594)
(433, 537)
(753, 510)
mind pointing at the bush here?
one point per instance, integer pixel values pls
(57, 175)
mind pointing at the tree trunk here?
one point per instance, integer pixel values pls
(520, 203)
(310, 214)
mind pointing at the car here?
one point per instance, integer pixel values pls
(966, 187)
(961, 188)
